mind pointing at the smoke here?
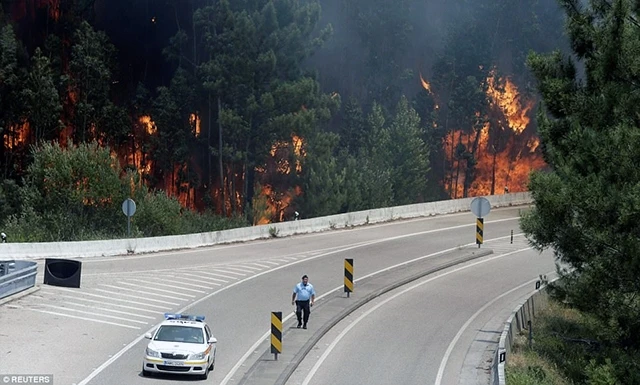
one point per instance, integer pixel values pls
(342, 63)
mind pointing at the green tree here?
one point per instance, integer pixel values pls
(324, 178)
(173, 144)
(253, 78)
(12, 75)
(353, 127)
(375, 162)
(410, 156)
(587, 207)
(42, 102)
(91, 68)
(69, 193)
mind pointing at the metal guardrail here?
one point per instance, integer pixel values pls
(526, 311)
(16, 276)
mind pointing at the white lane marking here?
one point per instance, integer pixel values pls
(137, 296)
(85, 318)
(117, 299)
(464, 327)
(111, 304)
(167, 285)
(335, 342)
(220, 275)
(226, 271)
(203, 280)
(109, 310)
(145, 292)
(270, 263)
(257, 264)
(240, 362)
(211, 275)
(156, 289)
(242, 267)
(95, 314)
(182, 279)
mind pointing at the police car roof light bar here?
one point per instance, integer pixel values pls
(189, 317)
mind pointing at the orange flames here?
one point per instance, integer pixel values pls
(17, 135)
(278, 196)
(148, 124)
(508, 99)
(505, 149)
(425, 84)
(194, 120)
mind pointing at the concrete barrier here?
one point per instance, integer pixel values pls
(41, 250)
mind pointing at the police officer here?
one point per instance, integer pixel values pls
(304, 295)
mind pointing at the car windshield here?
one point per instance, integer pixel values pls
(186, 334)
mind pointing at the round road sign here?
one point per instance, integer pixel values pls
(480, 206)
(129, 207)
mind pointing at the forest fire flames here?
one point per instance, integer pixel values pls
(278, 198)
(504, 149)
(18, 135)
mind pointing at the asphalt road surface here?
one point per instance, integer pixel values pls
(94, 335)
(441, 329)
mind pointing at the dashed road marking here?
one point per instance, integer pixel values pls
(229, 272)
(214, 279)
(121, 300)
(167, 285)
(146, 292)
(204, 280)
(138, 297)
(156, 289)
(258, 264)
(180, 281)
(247, 267)
(219, 275)
(110, 310)
(85, 318)
(111, 304)
(95, 314)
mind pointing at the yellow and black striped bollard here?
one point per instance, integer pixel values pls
(348, 276)
(479, 231)
(276, 333)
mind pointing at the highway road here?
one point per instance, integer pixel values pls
(93, 335)
(441, 329)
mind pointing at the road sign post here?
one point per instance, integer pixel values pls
(129, 208)
(480, 206)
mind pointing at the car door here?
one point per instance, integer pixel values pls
(209, 335)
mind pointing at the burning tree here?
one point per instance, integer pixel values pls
(496, 147)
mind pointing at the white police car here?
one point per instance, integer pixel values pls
(182, 344)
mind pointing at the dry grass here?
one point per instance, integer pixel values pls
(526, 366)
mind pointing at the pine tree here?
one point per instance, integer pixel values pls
(410, 156)
(587, 207)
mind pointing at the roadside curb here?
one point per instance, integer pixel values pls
(19, 295)
(327, 326)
